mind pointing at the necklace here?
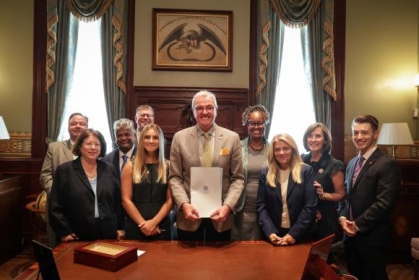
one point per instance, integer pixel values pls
(255, 149)
(90, 175)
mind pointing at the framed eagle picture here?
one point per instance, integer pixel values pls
(189, 40)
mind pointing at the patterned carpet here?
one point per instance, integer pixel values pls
(17, 265)
(394, 271)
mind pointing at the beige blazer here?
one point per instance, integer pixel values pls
(184, 154)
(57, 153)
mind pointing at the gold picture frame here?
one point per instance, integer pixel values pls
(192, 40)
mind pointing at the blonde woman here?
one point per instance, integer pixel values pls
(146, 197)
(286, 200)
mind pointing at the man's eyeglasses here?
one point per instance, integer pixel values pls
(256, 124)
(146, 116)
(201, 109)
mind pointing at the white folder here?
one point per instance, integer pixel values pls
(206, 189)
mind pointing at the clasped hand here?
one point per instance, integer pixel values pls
(283, 241)
(149, 228)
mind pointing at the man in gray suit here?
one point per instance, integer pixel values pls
(125, 139)
(58, 153)
(186, 152)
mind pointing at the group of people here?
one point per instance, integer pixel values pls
(269, 190)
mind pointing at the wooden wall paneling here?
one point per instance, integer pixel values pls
(405, 215)
(253, 79)
(39, 95)
(172, 107)
(28, 169)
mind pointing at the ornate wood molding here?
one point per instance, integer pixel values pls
(172, 107)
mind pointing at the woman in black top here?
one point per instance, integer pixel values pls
(328, 179)
(146, 197)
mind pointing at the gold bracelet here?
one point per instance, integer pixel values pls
(325, 196)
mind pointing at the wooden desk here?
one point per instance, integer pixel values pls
(10, 217)
(177, 260)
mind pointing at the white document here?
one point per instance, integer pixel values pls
(206, 189)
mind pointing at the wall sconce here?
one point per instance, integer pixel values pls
(395, 134)
(4, 134)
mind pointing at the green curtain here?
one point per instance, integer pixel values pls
(88, 10)
(270, 39)
(62, 45)
(114, 53)
(62, 35)
(317, 40)
(318, 53)
(295, 13)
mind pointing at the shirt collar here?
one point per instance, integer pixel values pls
(129, 153)
(211, 131)
(368, 153)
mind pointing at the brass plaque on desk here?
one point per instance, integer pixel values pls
(105, 255)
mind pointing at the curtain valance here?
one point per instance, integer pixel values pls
(295, 13)
(88, 10)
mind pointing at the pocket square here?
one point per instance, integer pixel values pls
(224, 152)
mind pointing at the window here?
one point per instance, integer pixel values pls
(86, 95)
(293, 110)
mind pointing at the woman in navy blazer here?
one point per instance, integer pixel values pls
(85, 198)
(286, 199)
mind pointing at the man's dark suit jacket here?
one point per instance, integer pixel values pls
(372, 198)
(72, 202)
(301, 201)
(113, 158)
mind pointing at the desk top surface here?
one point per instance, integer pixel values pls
(188, 260)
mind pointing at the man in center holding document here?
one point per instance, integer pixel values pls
(205, 162)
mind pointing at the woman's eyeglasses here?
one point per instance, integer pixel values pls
(256, 124)
(90, 145)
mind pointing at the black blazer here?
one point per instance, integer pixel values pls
(71, 205)
(372, 198)
(113, 158)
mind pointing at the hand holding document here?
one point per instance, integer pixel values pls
(206, 189)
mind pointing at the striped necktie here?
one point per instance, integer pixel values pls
(358, 168)
(207, 154)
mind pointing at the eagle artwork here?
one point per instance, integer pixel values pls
(185, 44)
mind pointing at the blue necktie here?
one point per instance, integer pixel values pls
(124, 161)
